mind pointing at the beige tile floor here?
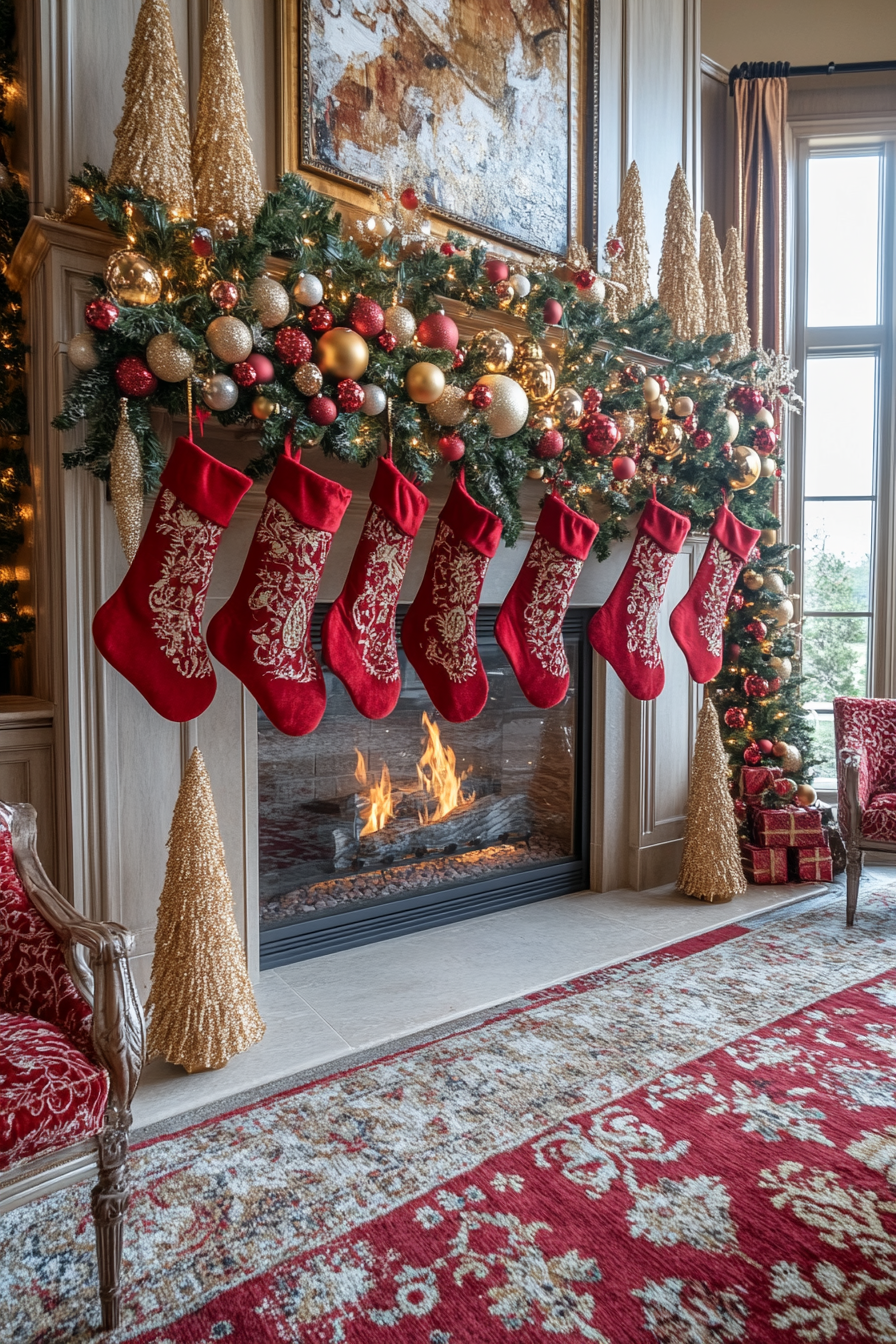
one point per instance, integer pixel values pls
(319, 1011)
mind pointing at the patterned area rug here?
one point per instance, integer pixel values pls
(695, 1147)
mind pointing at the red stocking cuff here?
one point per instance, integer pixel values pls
(734, 535)
(207, 486)
(312, 500)
(472, 524)
(561, 526)
(401, 502)
(666, 527)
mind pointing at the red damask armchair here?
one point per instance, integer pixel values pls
(72, 1045)
(865, 738)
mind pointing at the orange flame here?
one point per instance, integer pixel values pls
(442, 782)
(379, 800)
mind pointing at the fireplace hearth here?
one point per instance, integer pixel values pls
(372, 829)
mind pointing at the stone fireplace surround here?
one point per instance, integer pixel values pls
(118, 765)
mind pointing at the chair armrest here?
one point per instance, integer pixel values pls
(103, 977)
(850, 764)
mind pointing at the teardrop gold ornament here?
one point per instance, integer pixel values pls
(126, 483)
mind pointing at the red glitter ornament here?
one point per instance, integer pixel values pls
(591, 400)
(765, 441)
(737, 602)
(320, 318)
(480, 396)
(134, 378)
(386, 341)
(702, 439)
(747, 400)
(549, 445)
(774, 685)
(263, 367)
(553, 312)
(366, 317)
(321, 410)
(752, 754)
(584, 279)
(447, 249)
(735, 718)
(755, 685)
(602, 437)
(438, 331)
(225, 295)
(202, 243)
(244, 375)
(349, 394)
(778, 472)
(614, 247)
(758, 629)
(496, 270)
(733, 651)
(726, 451)
(765, 746)
(293, 346)
(101, 314)
(452, 447)
(460, 355)
(409, 198)
(624, 468)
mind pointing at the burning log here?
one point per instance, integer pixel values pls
(471, 825)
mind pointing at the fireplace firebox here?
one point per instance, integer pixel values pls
(368, 830)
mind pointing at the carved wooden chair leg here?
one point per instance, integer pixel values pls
(854, 862)
(109, 1200)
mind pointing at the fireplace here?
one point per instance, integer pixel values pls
(372, 829)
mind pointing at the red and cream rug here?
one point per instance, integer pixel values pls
(695, 1147)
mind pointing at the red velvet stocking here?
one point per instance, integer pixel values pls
(149, 630)
(529, 627)
(439, 630)
(358, 633)
(698, 622)
(263, 631)
(625, 628)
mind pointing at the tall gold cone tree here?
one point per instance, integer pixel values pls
(713, 277)
(710, 865)
(680, 288)
(633, 268)
(202, 1007)
(735, 269)
(152, 140)
(225, 176)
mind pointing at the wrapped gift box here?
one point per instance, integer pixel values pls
(788, 827)
(763, 864)
(755, 779)
(811, 865)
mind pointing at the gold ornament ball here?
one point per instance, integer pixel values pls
(263, 408)
(451, 408)
(308, 379)
(651, 389)
(595, 294)
(270, 300)
(769, 467)
(535, 473)
(783, 667)
(733, 426)
(542, 419)
(665, 441)
(168, 360)
(568, 406)
(496, 350)
(537, 379)
(764, 419)
(229, 339)
(400, 323)
(745, 468)
(780, 615)
(130, 278)
(82, 351)
(752, 580)
(773, 583)
(805, 795)
(790, 758)
(625, 423)
(510, 405)
(683, 407)
(424, 382)
(342, 353)
(768, 536)
(527, 350)
(659, 409)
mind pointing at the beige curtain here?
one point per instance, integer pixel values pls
(761, 200)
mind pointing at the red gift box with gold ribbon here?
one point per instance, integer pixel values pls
(763, 864)
(811, 865)
(788, 827)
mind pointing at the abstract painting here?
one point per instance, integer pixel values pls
(469, 100)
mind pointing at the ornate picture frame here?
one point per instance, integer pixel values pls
(334, 129)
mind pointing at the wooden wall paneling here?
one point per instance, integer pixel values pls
(718, 146)
(612, 121)
(27, 766)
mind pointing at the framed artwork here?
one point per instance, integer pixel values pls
(488, 107)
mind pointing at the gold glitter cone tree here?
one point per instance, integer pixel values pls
(152, 140)
(680, 288)
(713, 277)
(734, 267)
(201, 1005)
(632, 269)
(225, 176)
(710, 865)
(126, 483)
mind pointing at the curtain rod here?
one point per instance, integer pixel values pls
(783, 70)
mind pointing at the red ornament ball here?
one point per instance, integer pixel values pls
(633, 373)
(263, 367)
(321, 410)
(134, 377)
(553, 312)
(737, 602)
(735, 718)
(602, 437)
(747, 400)
(774, 685)
(726, 451)
(202, 244)
(784, 787)
(591, 400)
(386, 341)
(752, 754)
(224, 294)
(460, 355)
(662, 381)
(438, 331)
(447, 249)
(349, 394)
(733, 652)
(549, 445)
(624, 468)
(452, 447)
(614, 247)
(584, 279)
(101, 314)
(496, 270)
(702, 439)
(689, 424)
(765, 441)
(758, 629)
(320, 318)
(409, 198)
(755, 685)
(480, 396)
(366, 317)
(765, 746)
(293, 346)
(244, 374)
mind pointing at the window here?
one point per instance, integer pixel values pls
(844, 347)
